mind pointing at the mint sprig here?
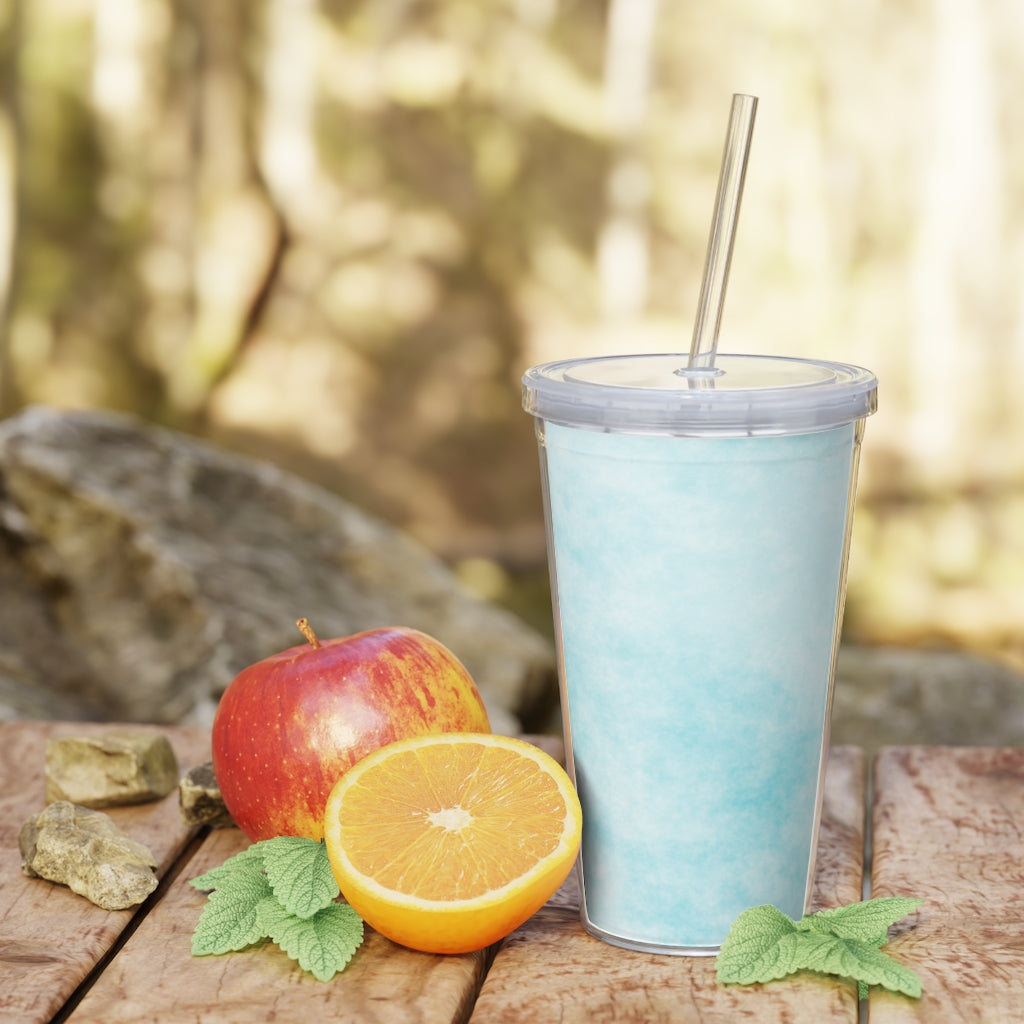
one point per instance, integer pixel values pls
(765, 945)
(282, 889)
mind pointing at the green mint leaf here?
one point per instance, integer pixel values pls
(282, 888)
(299, 872)
(868, 921)
(231, 919)
(322, 943)
(753, 949)
(215, 877)
(852, 958)
(765, 945)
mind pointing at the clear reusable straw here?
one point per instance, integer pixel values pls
(723, 233)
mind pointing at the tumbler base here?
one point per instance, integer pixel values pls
(647, 947)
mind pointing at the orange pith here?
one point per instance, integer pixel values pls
(447, 843)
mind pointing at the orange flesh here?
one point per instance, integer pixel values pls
(430, 818)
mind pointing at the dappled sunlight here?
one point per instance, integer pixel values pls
(294, 391)
(336, 235)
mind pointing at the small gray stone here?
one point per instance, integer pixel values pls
(199, 799)
(84, 850)
(128, 766)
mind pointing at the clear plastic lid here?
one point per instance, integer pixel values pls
(741, 396)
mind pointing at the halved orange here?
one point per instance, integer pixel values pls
(447, 843)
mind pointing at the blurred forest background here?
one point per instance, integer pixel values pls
(334, 234)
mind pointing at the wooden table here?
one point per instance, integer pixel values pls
(948, 825)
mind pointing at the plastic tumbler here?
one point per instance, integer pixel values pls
(698, 526)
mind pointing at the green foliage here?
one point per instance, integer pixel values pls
(765, 945)
(281, 889)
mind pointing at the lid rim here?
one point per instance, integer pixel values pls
(798, 394)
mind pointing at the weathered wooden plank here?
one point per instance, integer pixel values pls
(551, 970)
(839, 874)
(50, 938)
(949, 827)
(155, 977)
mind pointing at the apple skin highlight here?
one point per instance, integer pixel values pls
(289, 726)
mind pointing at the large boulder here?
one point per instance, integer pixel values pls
(141, 569)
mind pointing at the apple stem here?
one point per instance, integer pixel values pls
(307, 631)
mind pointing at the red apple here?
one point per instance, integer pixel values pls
(288, 727)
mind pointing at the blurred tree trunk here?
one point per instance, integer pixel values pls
(173, 101)
(287, 130)
(623, 240)
(958, 256)
(10, 120)
(237, 231)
